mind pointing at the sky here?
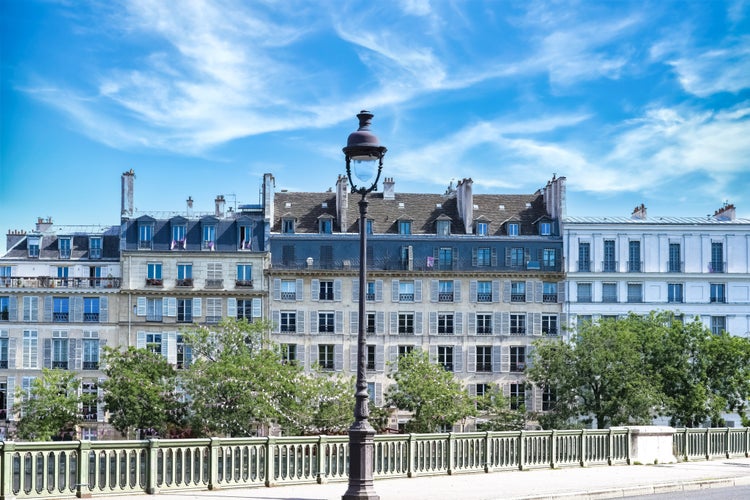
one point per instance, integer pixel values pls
(633, 102)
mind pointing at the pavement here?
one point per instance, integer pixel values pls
(536, 484)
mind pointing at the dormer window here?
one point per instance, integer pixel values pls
(145, 235)
(34, 243)
(209, 237)
(512, 228)
(368, 226)
(404, 227)
(179, 236)
(287, 225)
(443, 227)
(325, 225)
(63, 245)
(482, 229)
(95, 247)
(246, 237)
(545, 228)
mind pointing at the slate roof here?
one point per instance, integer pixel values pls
(49, 249)
(653, 220)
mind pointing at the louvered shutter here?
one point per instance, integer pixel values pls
(257, 307)
(394, 290)
(418, 323)
(140, 308)
(300, 321)
(380, 323)
(338, 357)
(473, 291)
(276, 319)
(505, 329)
(99, 400)
(379, 358)
(13, 308)
(12, 348)
(417, 290)
(456, 291)
(232, 307)
(434, 290)
(538, 291)
(433, 354)
(11, 385)
(497, 323)
(314, 322)
(458, 323)
(140, 340)
(104, 309)
(493, 257)
(529, 291)
(495, 290)
(353, 352)
(48, 309)
(197, 309)
(561, 292)
(393, 356)
(471, 362)
(355, 291)
(474, 257)
(277, 289)
(378, 290)
(353, 322)
(506, 291)
(74, 353)
(504, 358)
(315, 290)
(458, 362)
(47, 361)
(300, 290)
(394, 323)
(433, 323)
(472, 323)
(77, 309)
(337, 290)
(537, 321)
(338, 322)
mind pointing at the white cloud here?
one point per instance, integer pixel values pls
(708, 72)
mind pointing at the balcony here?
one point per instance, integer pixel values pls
(484, 297)
(60, 317)
(145, 245)
(718, 300)
(517, 367)
(549, 331)
(184, 283)
(154, 282)
(518, 330)
(370, 297)
(60, 365)
(288, 295)
(53, 282)
(609, 266)
(90, 365)
(447, 366)
(584, 266)
(91, 317)
(484, 330)
(674, 266)
(610, 299)
(243, 283)
(445, 297)
(518, 297)
(549, 298)
(717, 267)
(635, 266)
(406, 297)
(215, 283)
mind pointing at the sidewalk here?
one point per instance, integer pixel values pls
(537, 484)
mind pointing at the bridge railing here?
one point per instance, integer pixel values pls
(98, 468)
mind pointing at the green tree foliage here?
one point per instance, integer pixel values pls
(326, 405)
(52, 408)
(431, 393)
(629, 370)
(494, 412)
(141, 392)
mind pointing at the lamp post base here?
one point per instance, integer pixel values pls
(361, 462)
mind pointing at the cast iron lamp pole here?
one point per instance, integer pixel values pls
(363, 150)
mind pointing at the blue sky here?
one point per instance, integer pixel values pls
(634, 102)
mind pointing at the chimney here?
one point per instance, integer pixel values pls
(342, 202)
(127, 194)
(639, 212)
(725, 213)
(189, 203)
(220, 206)
(465, 204)
(43, 225)
(389, 192)
(13, 237)
(554, 197)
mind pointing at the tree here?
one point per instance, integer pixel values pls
(141, 392)
(52, 408)
(432, 394)
(494, 412)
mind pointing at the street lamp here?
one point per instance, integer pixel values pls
(364, 155)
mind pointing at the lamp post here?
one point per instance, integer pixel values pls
(364, 155)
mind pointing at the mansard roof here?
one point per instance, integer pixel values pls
(50, 250)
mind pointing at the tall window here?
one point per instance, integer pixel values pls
(443, 227)
(718, 324)
(154, 309)
(153, 342)
(445, 323)
(549, 398)
(445, 356)
(288, 322)
(89, 409)
(517, 358)
(5, 275)
(288, 290)
(549, 324)
(326, 322)
(184, 275)
(584, 292)
(30, 349)
(634, 256)
(484, 324)
(545, 228)
(287, 226)
(518, 291)
(445, 291)
(145, 236)
(404, 227)
(213, 310)
(609, 292)
(717, 293)
(244, 274)
(717, 257)
(482, 229)
(483, 256)
(153, 273)
(30, 308)
(675, 263)
(326, 356)
(60, 309)
(209, 237)
(404, 350)
(246, 237)
(325, 292)
(370, 327)
(326, 226)
(445, 258)
(516, 257)
(60, 350)
(484, 291)
(549, 257)
(90, 351)
(484, 358)
(34, 244)
(406, 323)
(512, 228)
(370, 357)
(517, 396)
(549, 292)
(370, 295)
(610, 263)
(584, 257)
(674, 292)
(63, 245)
(288, 353)
(91, 309)
(184, 353)
(4, 308)
(405, 291)
(635, 292)
(184, 310)
(245, 309)
(518, 324)
(178, 236)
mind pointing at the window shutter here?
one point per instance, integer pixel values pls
(102, 345)
(300, 319)
(455, 258)
(538, 291)
(394, 323)
(504, 358)
(472, 323)
(74, 353)
(378, 290)
(473, 291)
(433, 290)
(417, 290)
(11, 385)
(458, 323)
(47, 362)
(472, 388)
(77, 308)
(314, 322)
(563, 324)
(314, 290)
(456, 291)
(11, 358)
(257, 307)
(537, 320)
(378, 394)
(497, 323)
(474, 257)
(380, 323)
(506, 291)
(393, 356)
(471, 363)
(48, 309)
(505, 330)
(338, 322)
(232, 307)
(103, 309)
(197, 310)
(493, 257)
(353, 322)
(140, 341)
(338, 357)
(313, 355)
(99, 400)
(433, 354)
(337, 290)
(276, 319)
(277, 289)
(380, 358)
(171, 347)
(458, 362)
(353, 356)
(13, 309)
(140, 309)
(538, 392)
(355, 291)
(507, 257)
(299, 290)
(301, 355)
(418, 323)
(433, 323)
(394, 291)
(530, 291)
(170, 307)
(561, 292)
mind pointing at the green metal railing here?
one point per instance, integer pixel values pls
(87, 468)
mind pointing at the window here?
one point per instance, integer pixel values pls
(634, 256)
(3, 356)
(288, 322)
(153, 342)
(404, 227)
(609, 292)
(518, 291)
(4, 308)
(584, 292)
(325, 291)
(60, 350)
(718, 324)
(484, 358)
(214, 275)
(675, 259)
(184, 353)
(610, 264)
(517, 396)
(445, 357)
(34, 243)
(582, 319)
(484, 291)
(445, 258)
(288, 290)
(3, 403)
(370, 326)
(517, 257)
(635, 292)
(288, 354)
(482, 229)
(184, 275)
(30, 349)
(91, 309)
(30, 308)
(370, 357)
(325, 226)
(518, 324)
(368, 226)
(406, 257)
(404, 350)
(326, 256)
(90, 351)
(445, 291)
(178, 237)
(95, 274)
(153, 274)
(325, 356)
(213, 310)
(89, 391)
(62, 273)
(717, 257)
(63, 245)
(370, 295)
(443, 227)
(406, 323)
(287, 226)
(406, 291)
(549, 292)
(326, 322)
(484, 257)
(245, 309)
(717, 293)
(549, 324)
(5, 275)
(549, 398)
(145, 236)
(60, 309)
(482, 390)
(584, 257)
(674, 292)
(545, 228)
(445, 323)
(517, 358)
(484, 324)
(512, 228)
(244, 275)
(184, 310)
(209, 237)
(246, 237)
(154, 309)
(549, 257)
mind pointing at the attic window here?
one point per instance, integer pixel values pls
(512, 229)
(287, 225)
(438, 205)
(443, 228)
(501, 207)
(528, 205)
(288, 204)
(324, 204)
(63, 245)
(33, 245)
(401, 205)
